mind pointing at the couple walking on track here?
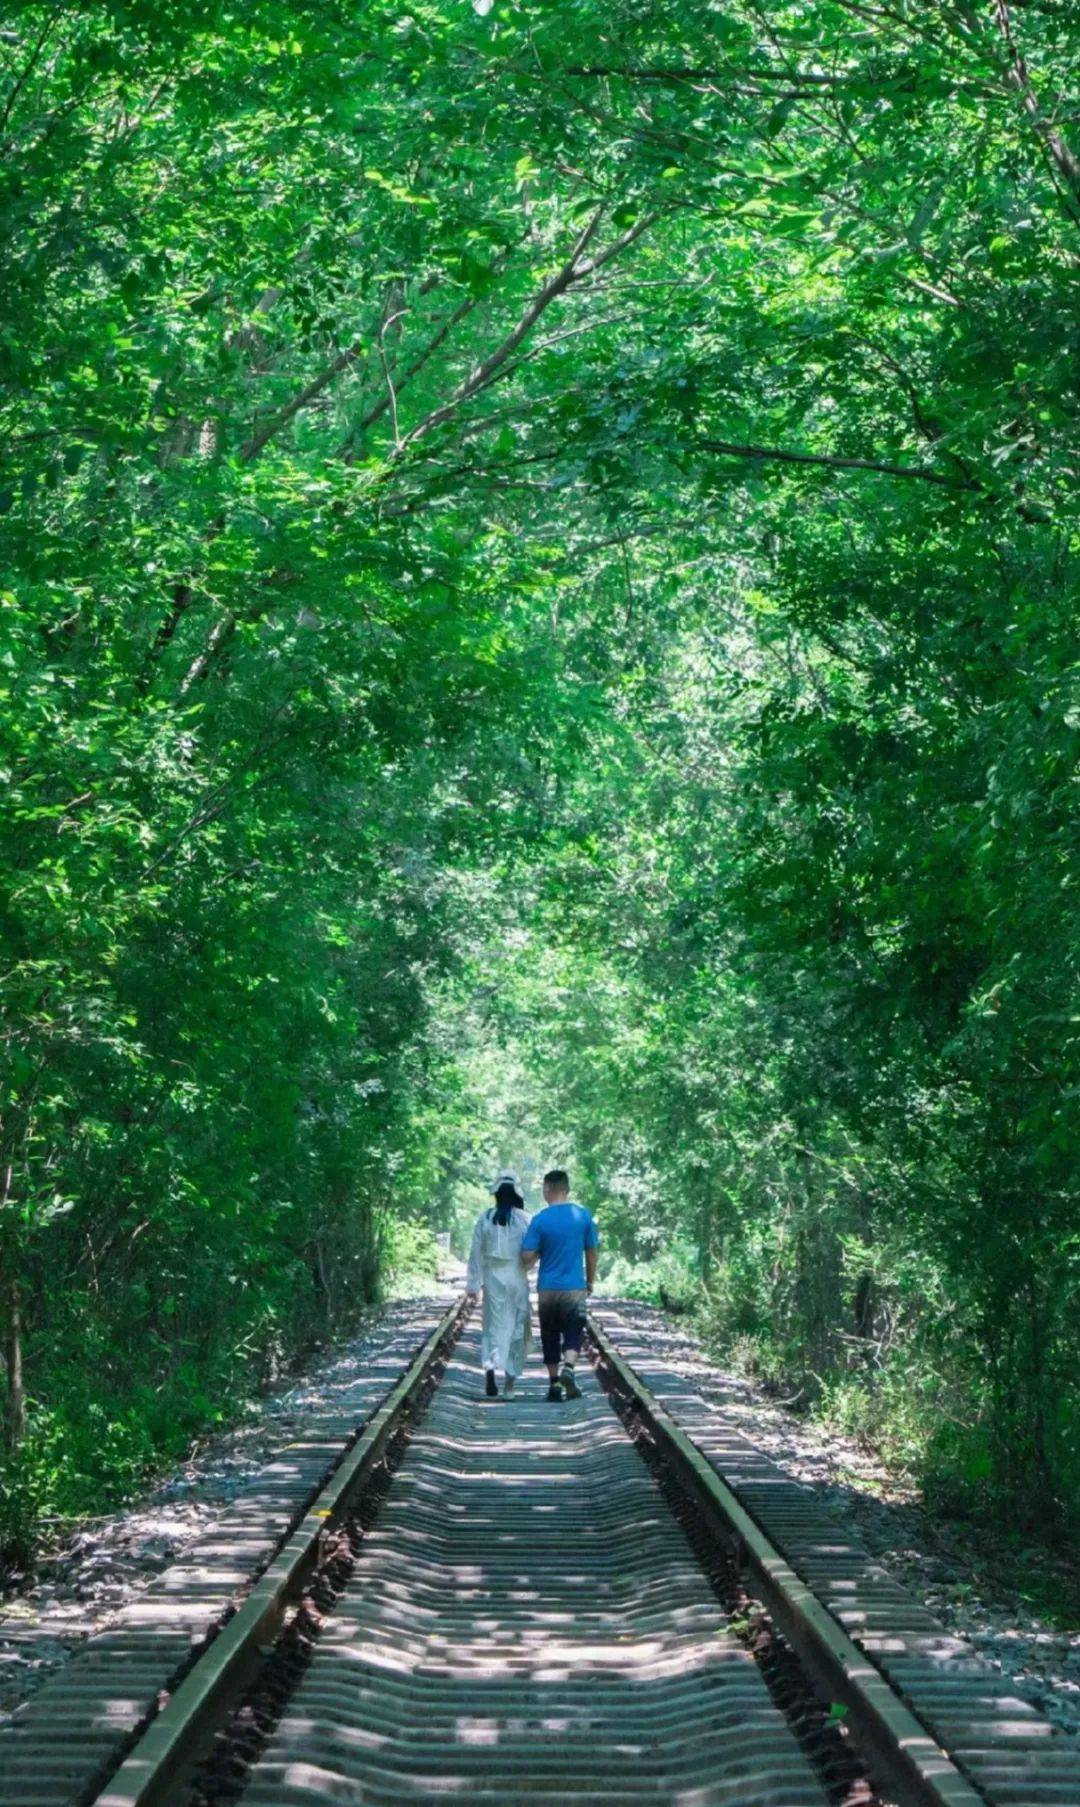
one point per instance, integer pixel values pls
(506, 1243)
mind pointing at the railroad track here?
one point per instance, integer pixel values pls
(520, 1601)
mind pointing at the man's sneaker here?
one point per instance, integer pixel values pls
(508, 1387)
(490, 1388)
(573, 1391)
(555, 1393)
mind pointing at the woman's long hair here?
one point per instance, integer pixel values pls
(506, 1200)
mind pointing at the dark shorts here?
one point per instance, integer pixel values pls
(562, 1323)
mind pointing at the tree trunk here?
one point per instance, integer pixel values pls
(15, 1404)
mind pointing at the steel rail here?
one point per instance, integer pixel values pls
(903, 1755)
(177, 1735)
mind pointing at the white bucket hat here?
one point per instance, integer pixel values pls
(509, 1179)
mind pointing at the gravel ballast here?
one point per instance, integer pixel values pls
(102, 1566)
(973, 1580)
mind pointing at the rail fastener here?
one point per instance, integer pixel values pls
(903, 1755)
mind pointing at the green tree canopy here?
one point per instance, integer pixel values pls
(554, 529)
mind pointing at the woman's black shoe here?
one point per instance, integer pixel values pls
(490, 1388)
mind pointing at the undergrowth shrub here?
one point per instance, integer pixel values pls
(669, 1280)
(410, 1257)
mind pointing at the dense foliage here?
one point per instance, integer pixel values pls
(538, 589)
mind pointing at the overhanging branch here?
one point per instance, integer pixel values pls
(830, 461)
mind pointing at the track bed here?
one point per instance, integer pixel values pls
(526, 1618)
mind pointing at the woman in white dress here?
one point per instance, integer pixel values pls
(495, 1267)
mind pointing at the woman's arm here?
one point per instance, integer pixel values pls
(474, 1279)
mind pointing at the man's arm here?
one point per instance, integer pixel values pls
(529, 1258)
(590, 1269)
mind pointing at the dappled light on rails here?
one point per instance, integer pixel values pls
(527, 1618)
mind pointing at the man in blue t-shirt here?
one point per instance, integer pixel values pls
(564, 1241)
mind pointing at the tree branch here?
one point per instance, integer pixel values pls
(832, 462)
(272, 427)
(1063, 157)
(379, 408)
(21, 80)
(673, 73)
(574, 270)
(482, 373)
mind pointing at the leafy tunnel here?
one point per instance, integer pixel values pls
(539, 621)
